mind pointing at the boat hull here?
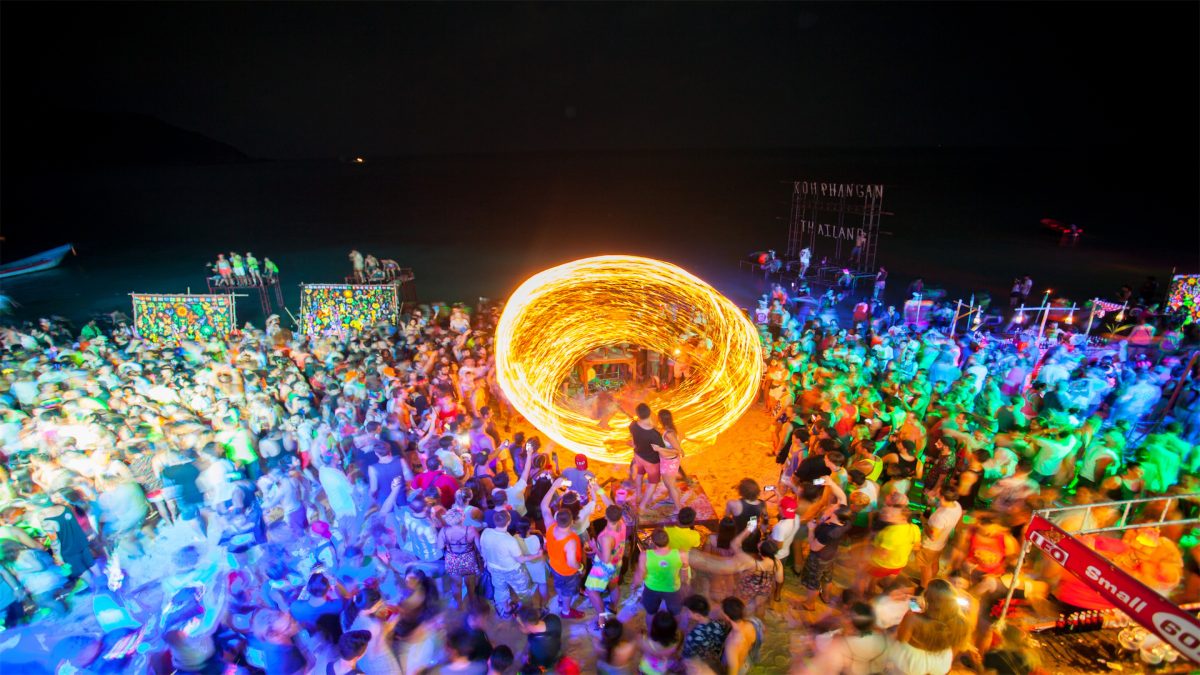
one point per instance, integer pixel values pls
(35, 263)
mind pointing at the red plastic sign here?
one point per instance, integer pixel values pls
(1176, 627)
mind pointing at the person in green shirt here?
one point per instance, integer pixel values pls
(270, 268)
(662, 569)
(238, 443)
(239, 268)
(90, 331)
(252, 267)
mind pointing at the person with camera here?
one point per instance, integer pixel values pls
(564, 550)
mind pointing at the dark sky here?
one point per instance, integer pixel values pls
(307, 80)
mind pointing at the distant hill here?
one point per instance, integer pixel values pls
(56, 137)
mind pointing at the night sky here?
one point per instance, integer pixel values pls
(306, 80)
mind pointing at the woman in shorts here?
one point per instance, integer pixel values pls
(610, 551)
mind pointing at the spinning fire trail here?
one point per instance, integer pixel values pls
(560, 315)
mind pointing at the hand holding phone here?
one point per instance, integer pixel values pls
(769, 488)
(752, 524)
(819, 481)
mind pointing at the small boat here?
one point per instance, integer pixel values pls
(36, 263)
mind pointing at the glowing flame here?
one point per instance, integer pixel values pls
(559, 316)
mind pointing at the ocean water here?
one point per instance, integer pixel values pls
(472, 226)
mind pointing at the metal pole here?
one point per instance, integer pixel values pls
(1012, 588)
(1163, 515)
(1091, 317)
(1045, 317)
(957, 311)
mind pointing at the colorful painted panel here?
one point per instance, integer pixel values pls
(171, 318)
(1185, 296)
(327, 309)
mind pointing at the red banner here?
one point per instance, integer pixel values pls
(1176, 627)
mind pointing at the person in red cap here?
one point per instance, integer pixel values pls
(784, 531)
(579, 477)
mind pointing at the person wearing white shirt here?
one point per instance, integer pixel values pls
(857, 649)
(451, 462)
(505, 560)
(979, 372)
(1052, 373)
(869, 488)
(1099, 461)
(1002, 464)
(784, 531)
(515, 494)
(891, 607)
(937, 532)
(1051, 453)
(214, 480)
(25, 390)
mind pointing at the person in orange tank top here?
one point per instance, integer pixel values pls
(564, 551)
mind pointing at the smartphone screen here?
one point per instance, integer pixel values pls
(819, 481)
(752, 524)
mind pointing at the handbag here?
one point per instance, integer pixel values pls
(484, 588)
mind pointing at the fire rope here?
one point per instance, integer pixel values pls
(559, 316)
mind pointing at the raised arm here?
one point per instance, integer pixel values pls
(599, 493)
(430, 431)
(547, 515)
(390, 502)
(585, 514)
(527, 465)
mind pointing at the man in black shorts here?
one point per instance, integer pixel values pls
(644, 435)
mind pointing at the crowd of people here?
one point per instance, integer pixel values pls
(276, 503)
